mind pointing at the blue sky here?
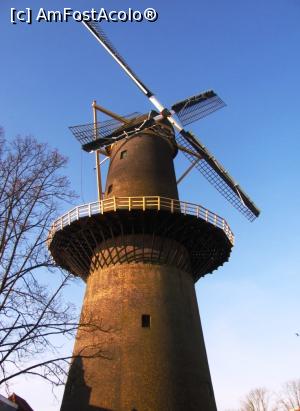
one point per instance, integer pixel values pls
(249, 53)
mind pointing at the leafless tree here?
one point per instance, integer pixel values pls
(32, 314)
(289, 398)
(256, 400)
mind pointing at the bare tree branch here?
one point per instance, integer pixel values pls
(289, 398)
(256, 400)
(32, 314)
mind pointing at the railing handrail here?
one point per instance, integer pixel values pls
(142, 203)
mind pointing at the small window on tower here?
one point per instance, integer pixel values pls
(109, 190)
(146, 320)
(123, 154)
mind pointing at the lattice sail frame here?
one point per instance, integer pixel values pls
(85, 133)
(196, 107)
(215, 179)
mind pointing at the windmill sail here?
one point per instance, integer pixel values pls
(99, 34)
(85, 133)
(212, 170)
(196, 107)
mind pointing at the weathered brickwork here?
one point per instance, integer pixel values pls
(163, 367)
(140, 346)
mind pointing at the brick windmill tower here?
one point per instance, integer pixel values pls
(141, 250)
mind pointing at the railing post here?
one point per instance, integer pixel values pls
(215, 219)
(129, 205)
(69, 219)
(61, 224)
(184, 208)
(172, 206)
(158, 203)
(144, 203)
(90, 211)
(77, 213)
(197, 211)
(115, 204)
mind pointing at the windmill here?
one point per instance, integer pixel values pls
(140, 250)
